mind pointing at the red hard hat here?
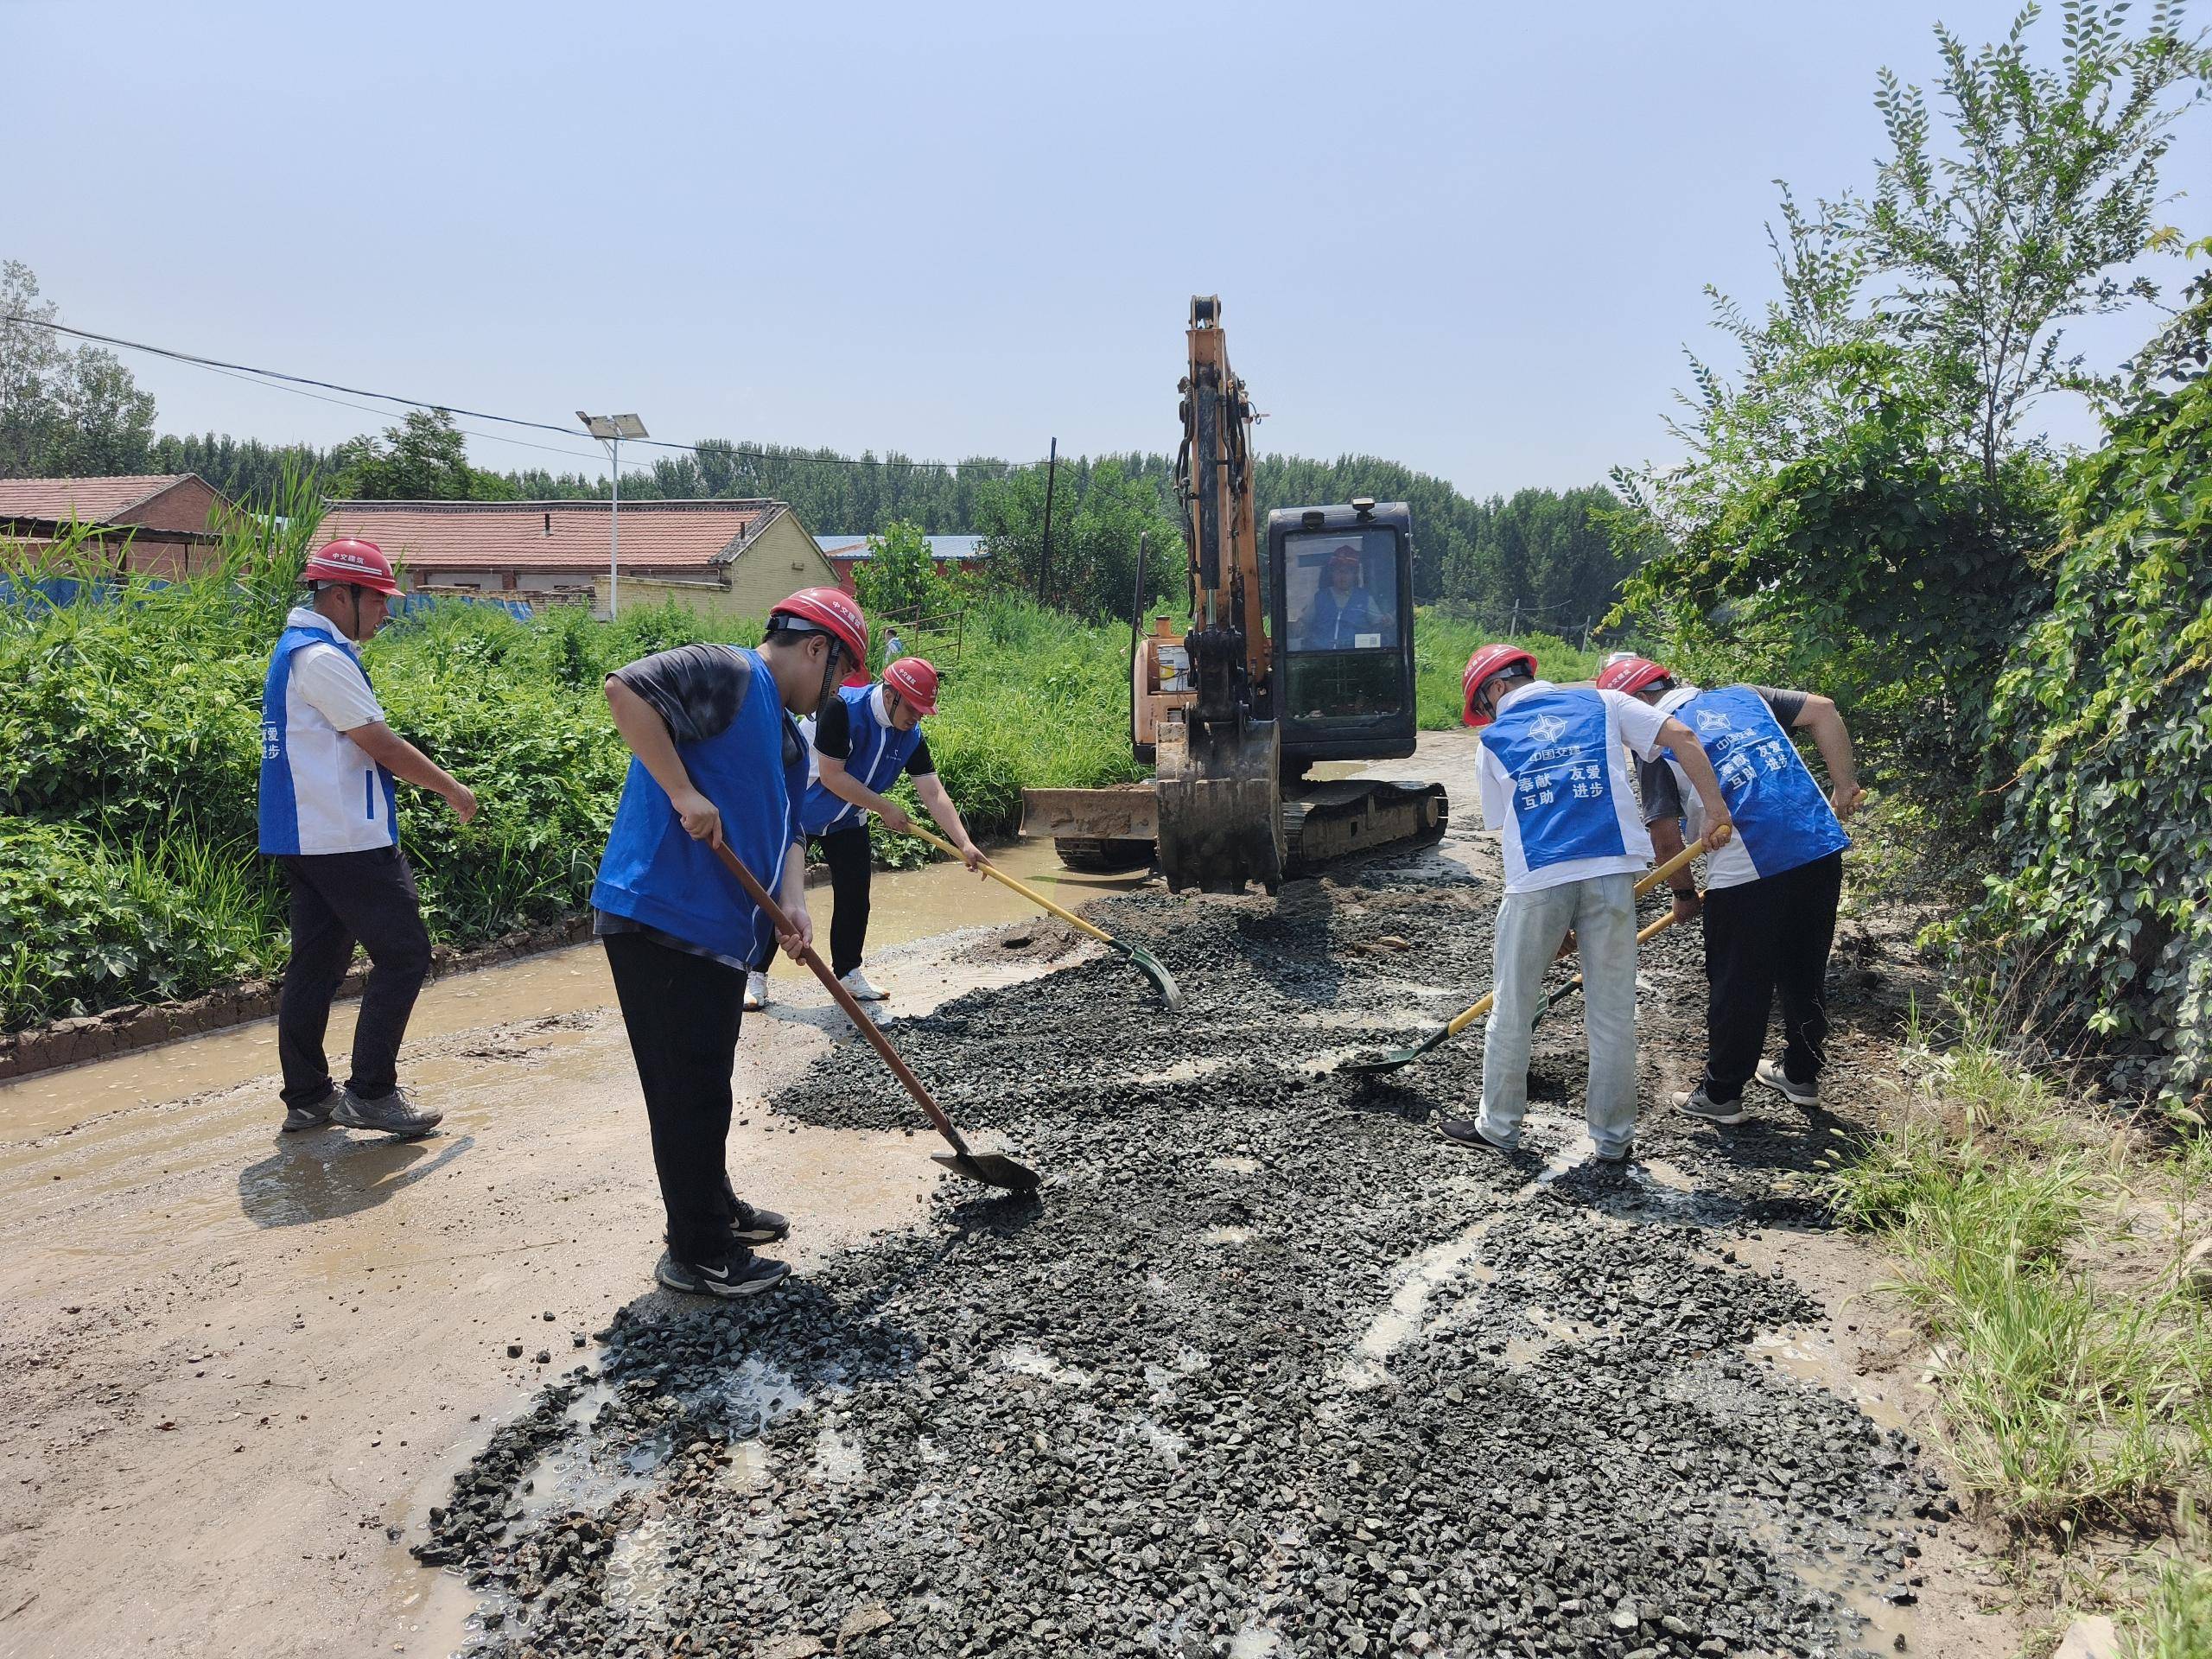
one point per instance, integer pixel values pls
(1484, 664)
(1347, 554)
(833, 610)
(362, 563)
(1626, 672)
(912, 679)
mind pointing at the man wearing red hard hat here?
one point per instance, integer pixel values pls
(1555, 790)
(329, 816)
(863, 739)
(1771, 895)
(718, 759)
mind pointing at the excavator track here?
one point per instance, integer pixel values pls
(1323, 823)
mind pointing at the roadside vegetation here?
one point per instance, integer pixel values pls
(129, 756)
(2058, 1263)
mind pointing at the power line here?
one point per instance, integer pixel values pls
(220, 366)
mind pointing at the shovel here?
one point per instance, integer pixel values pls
(988, 1167)
(1459, 1022)
(1146, 963)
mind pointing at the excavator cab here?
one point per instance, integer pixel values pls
(1341, 590)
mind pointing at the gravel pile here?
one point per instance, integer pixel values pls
(1264, 1369)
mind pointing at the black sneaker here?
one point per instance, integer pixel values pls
(752, 1226)
(393, 1114)
(743, 1274)
(309, 1118)
(1463, 1132)
(1695, 1102)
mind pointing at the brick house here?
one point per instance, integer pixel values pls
(155, 524)
(731, 557)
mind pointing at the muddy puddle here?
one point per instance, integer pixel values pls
(906, 905)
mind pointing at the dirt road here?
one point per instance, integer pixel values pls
(234, 1366)
(1263, 1370)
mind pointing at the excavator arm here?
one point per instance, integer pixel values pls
(1218, 753)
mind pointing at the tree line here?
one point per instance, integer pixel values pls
(1543, 556)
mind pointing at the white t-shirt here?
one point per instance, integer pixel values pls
(1629, 721)
(328, 679)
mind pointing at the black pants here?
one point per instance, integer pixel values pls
(337, 898)
(850, 858)
(682, 1013)
(1767, 936)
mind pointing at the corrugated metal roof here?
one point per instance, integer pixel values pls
(548, 535)
(849, 547)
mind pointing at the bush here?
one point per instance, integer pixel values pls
(2104, 842)
(93, 927)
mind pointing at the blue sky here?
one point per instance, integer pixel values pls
(1471, 238)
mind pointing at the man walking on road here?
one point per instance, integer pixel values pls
(718, 760)
(862, 740)
(1553, 784)
(1770, 898)
(328, 817)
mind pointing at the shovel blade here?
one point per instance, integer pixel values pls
(1398, 1057)
(1149, 966)
(990, 1168)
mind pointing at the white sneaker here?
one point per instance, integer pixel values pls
(1771, 1073)
(756, 991)
(857, 982)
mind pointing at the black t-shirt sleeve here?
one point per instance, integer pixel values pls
(919, 763)
(1661, 799)
(696, 689)
(833, 729)
(1785, 706)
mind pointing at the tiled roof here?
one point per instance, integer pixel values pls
(89, 500)
(548, 535)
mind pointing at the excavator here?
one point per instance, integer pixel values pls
(1300, 653)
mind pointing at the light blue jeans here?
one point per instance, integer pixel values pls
(1601, 912)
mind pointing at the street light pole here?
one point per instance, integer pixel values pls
(611, 429)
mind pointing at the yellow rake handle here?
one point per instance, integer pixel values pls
(1467, 1017)
(1021, 887)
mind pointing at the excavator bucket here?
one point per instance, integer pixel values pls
(1220, 794)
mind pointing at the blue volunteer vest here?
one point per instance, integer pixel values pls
(880, 753)
(370, 791)
(1553, 744)
(1782, 818)
(653, 872)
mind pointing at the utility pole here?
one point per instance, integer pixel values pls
(611, 429)
(1045, 564)
(1513, 631)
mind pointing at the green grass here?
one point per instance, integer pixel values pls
(2174, 1620)
(1442, 645)
(2072, 1391)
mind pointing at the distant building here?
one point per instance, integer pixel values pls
(731, 557)
(151, 525)
(954, 555)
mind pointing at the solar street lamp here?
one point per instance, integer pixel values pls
(611, 429)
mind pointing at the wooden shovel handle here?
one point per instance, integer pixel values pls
(1467, 1017)
(1021, 887)
(867, 1027)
